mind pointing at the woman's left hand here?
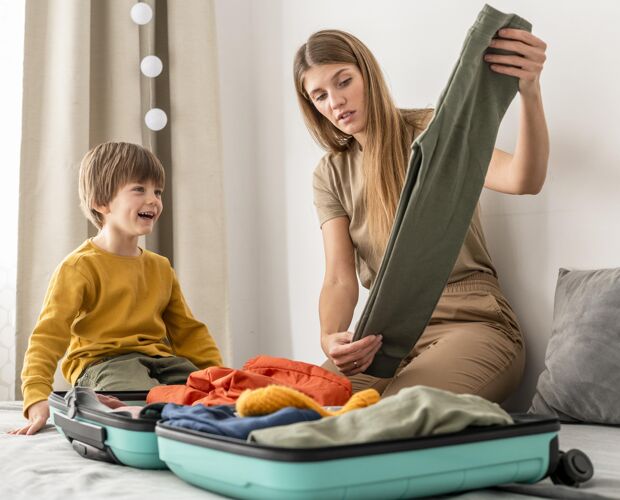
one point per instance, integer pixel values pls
(527, 62)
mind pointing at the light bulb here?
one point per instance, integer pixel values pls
(155, 119)
(151, 66)
(141, 13)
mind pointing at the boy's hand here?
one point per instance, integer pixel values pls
(38, 414)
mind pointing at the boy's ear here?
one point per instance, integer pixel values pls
(102, 209)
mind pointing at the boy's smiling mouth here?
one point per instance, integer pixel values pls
(146, 215)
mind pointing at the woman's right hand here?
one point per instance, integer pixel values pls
(350, 357)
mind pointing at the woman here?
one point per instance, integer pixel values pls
(473, 343)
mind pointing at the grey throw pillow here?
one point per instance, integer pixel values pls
(581, 380)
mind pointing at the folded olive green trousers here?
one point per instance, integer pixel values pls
(413, 412)
(446, 173)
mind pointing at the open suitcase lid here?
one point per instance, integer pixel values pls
(58, 402)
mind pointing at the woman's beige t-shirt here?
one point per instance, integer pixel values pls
(339, 191)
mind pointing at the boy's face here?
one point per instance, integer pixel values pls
(134, 209)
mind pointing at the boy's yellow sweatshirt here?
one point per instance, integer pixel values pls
(100, 304)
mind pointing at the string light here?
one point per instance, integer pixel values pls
(150, 66)
(155, 119)
(141, 13)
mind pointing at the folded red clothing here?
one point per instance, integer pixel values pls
(219, 385)
(325, 387)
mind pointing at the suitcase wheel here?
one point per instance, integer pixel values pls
(574, 467)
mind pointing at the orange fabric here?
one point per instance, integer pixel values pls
(219, 385)
(325, 387)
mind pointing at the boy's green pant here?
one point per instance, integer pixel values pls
(136, 372)
(446, 173)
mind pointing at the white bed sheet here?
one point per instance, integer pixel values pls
(600, 443)
(46, 465)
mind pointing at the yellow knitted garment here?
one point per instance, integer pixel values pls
(266, 400)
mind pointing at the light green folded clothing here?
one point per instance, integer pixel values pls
(413, 412)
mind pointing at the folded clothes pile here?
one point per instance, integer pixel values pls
(273, 406)
(284, 417)
(413, 412)
(285, 403)
(218, 385)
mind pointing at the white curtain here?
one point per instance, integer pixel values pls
(83, 86)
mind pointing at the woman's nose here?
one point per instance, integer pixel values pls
(337, 100)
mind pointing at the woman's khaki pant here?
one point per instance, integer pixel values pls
(473, 344)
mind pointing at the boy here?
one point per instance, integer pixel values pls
(117, 308)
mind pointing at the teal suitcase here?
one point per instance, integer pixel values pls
(523, 452)
(105, 436)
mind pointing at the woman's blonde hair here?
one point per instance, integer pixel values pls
(389, 131)
(108, 167)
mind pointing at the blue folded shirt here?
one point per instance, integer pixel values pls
(221, 420)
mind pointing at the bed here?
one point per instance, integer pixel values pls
(45, 464)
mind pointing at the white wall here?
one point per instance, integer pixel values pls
(572, 223)
(238, 118)
(11, 60)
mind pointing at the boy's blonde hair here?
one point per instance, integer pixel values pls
(108, 167)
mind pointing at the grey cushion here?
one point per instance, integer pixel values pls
(581, 380)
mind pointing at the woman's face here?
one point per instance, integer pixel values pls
(337, 92)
